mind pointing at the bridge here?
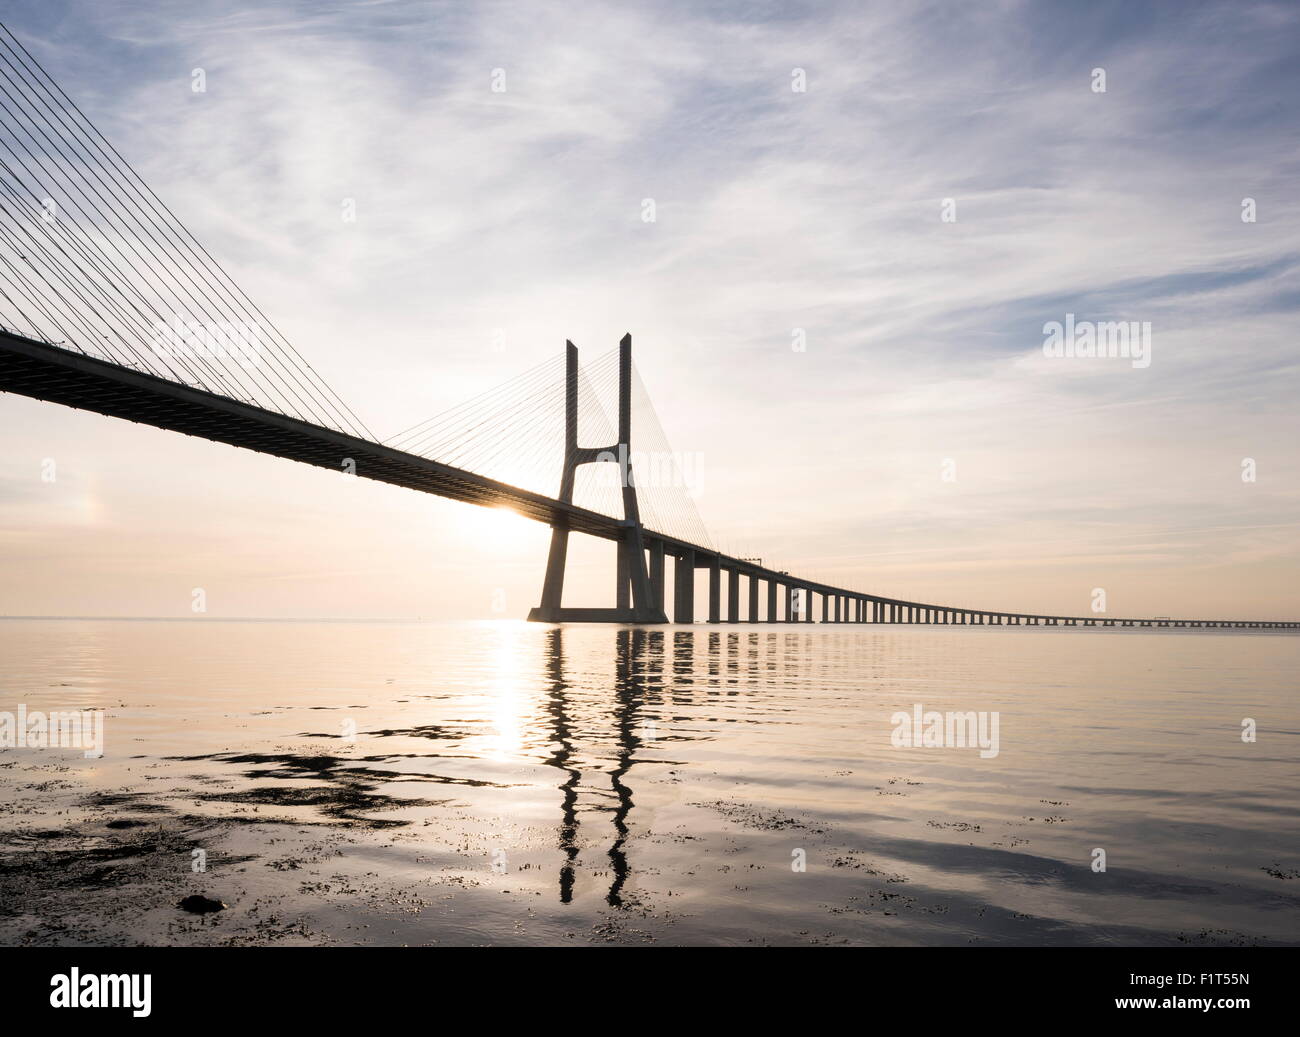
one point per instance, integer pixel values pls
(109, 304)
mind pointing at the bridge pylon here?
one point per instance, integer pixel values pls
(637, 599)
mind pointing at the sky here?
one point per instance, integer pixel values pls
(864, 217)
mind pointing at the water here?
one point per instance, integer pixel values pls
(519, 784)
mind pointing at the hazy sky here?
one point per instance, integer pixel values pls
(775, 209)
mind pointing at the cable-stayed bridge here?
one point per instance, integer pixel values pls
(108, 303)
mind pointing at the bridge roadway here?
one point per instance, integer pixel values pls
(47, 372)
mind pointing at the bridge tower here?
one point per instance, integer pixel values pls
(637, 601)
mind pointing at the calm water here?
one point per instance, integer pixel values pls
(504, 783)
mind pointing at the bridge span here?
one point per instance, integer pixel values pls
(44, 371)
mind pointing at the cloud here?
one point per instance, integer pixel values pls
(775, 210)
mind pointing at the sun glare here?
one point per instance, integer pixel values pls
(500, 528)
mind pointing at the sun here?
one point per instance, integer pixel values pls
(499, 527)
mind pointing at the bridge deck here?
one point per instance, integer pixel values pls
(46, 372)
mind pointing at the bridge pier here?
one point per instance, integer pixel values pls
(733, 595)
(753, 598)
(715, 590)
(771, 601)
(684, 587)
(622, 581)
(657, 574)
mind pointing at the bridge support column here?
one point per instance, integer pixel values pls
(771, 601)
(753, 599)
(657, 574)
(715, 590)
(684, 588)
(733, 595)
(622, 579)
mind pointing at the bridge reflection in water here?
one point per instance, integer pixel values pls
(638, 675)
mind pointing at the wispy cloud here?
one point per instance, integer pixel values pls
(775, 210)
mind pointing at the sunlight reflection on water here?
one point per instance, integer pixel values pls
(657, 784)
